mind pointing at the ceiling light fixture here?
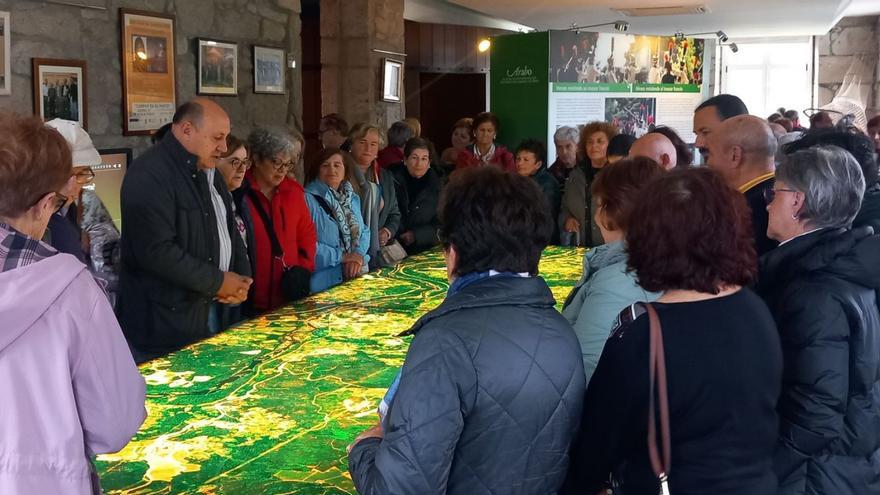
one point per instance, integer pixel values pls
(484, 45)
(621, 26)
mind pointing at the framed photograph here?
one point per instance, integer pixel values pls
(5, 51)
(392, 76)
(149, 95)
(60, 90)
(218, 68)
(108, 180)
(268, 70)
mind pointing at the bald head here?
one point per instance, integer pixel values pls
(657, 147)
(201, 127)
(743, 148)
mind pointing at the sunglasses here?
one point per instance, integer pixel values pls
(770, 194)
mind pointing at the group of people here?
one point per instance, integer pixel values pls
(60, 99)
(724, 336)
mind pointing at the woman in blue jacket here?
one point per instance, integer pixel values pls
(343, 239)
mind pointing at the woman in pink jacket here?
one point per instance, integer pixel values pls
(69, 385)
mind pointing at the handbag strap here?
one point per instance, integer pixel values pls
(277, 251)
(660, 458)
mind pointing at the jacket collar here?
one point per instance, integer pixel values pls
(180, 155)
(491, 292)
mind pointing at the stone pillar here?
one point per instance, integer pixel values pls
(351, 73)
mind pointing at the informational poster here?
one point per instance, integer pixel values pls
(632, 81)
(148, 71)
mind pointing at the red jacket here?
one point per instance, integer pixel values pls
(390, 155)
(502, 159)
(296, 233)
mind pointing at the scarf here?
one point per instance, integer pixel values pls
(349, 228)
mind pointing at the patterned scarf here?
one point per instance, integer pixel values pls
(349, 228)
(18, 250)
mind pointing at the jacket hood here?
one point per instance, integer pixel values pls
(493, 291)
(26, 293)
(852, 255)
(602, 256)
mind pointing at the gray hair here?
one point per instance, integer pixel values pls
(399, 133)
(831, 181)
(566, 133)
(266, 144)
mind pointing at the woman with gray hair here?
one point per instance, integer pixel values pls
(284, 234)
(821, 286)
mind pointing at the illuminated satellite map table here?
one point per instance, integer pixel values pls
(269, 406)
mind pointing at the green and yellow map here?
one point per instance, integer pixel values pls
(269, 406)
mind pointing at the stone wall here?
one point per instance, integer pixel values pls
(43, 30)
(850, 38)
(351, 72)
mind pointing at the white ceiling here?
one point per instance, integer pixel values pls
(738, 18)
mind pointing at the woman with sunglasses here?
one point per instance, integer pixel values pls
(64, 232)
(70, 386)
(281, 201)
(821, 285)
(232, 165)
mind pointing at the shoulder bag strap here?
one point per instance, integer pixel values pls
(267, 223)
(329, 211)
(660, 458)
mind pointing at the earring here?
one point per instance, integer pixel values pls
(794, 217)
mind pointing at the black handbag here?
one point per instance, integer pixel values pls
(295, 280)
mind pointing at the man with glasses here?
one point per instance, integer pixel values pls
(178, 260)
(743, 150)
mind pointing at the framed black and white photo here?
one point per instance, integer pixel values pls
(218, 68)
(5, 62)
(60, 90)
(268, 70)
(392, 77)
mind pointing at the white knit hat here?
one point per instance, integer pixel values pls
(84, 152)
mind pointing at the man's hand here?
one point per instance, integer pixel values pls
(234, 288)
(373, 432)
(384, 236)
(572, 225)
(408, 238)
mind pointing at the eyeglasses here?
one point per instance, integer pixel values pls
(85, 176)
(770, 194)
(239, 164)
(60, 201)
(278, 164)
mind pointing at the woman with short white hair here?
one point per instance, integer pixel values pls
(821, 286)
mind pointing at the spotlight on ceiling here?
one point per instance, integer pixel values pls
(679, 36)
(733, 47)
(621, 26)
(484, 45)
(722, 36)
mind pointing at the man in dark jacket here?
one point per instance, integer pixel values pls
(821, 285)
(491, 391)
(175, 259)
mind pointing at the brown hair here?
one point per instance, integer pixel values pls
(232, 144)
(593, 127)
(34, 161)
(315, 165)
(467, 123)
(619, 186)
(691, 231)
(482, 118)
(335, 121)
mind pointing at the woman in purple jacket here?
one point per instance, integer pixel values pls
(70, 386)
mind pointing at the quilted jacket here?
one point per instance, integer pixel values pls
(489, 400)
(822, 291)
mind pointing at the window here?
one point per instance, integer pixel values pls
(769, 75)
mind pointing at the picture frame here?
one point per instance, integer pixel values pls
(108, 179)
(149, 74)
(60, 90)
(269, 70)
(392, 79)
(5, 54)
(217, 67)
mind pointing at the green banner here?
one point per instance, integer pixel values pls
(518, 82)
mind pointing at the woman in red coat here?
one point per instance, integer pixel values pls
(283, 200)
(484, 151)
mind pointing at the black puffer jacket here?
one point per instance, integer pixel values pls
(822, 291)
(489, 399)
